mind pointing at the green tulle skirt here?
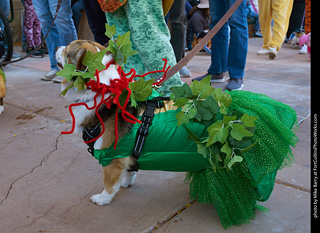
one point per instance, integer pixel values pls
(235, 193)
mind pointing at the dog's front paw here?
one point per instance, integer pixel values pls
(103, 198)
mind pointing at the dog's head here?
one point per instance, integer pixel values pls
(75, 51)
(74, 54)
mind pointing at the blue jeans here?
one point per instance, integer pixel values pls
(229, 57)
(63, 30)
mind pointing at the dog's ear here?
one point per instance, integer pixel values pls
(79, 57)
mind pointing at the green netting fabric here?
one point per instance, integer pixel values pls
(235, 193)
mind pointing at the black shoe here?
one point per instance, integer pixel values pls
(215, 78)
(235, 84)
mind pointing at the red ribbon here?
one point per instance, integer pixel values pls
(115, 89)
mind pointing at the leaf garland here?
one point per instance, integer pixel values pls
(228, 135)
(121, 49)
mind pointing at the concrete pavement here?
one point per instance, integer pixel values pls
(46, 178)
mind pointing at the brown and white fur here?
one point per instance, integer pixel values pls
(116, 174)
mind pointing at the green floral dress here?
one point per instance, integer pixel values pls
(150, 36)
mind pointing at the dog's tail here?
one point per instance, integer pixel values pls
(235, 192)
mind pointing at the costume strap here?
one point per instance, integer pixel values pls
(146, 120)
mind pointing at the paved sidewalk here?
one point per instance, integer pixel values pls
(46, 178)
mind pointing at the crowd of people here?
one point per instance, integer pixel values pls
(167, 28)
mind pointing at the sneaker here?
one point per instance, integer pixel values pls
(57, 79)
(258, 33)
(235, 84)
(50, 75)
(263, 52)
(273, 52)
(215, 78)
(38, 54)
(185, 72)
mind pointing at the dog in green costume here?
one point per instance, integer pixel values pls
(231, 144)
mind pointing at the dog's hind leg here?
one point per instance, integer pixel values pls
(128, 179)
(113, 174)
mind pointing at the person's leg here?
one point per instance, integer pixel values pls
(77, 9)
(44, 15)
(120, 20)
(238, 41)
(219, 43)
(265, 18)
(151, 38)
(296, 17)
(96, 19)
(36, 30)
(64, 22)
(178, 28)
(28, 25)
(281, 11)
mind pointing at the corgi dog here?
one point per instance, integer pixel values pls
(117, 173)
(122, 147)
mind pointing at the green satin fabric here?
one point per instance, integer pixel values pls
(165, 148)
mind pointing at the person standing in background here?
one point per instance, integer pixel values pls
(177, 20)
(279, 11)
(97, 20)
(150, 37)
(32, 30)
(224, 56)
(63, 31)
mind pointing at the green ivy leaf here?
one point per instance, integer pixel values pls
(223, 98)
(248, 121)
(202, 88)
(239, 131)
(235, 159)
(227, 119)
(141, 89)
(191, 135)
(227, 150)
(111, 47)
(79, 84)
(182, 118)
(202, 149)
(213, 166)
(217, 133)
(94, 60)
(118, 56)
(183, 91)
(123, 39)
(133, 101)
(181, 102)
(127, 51)
(110, 30)
(206, 109)
(67, 71)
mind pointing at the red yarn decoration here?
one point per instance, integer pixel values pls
(116, 87)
